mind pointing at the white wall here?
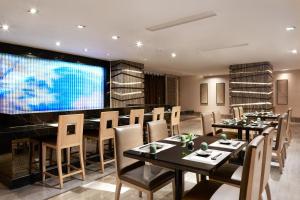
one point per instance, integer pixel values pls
(190, 93)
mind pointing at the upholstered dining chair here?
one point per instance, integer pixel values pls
(236, 113)
(278, 147)
(175, 120)
(70, 131)
(232, 173)
(136, 116)
(207, 122)
(108, 121)
(137, 174)
(241, 111)
(158, 130)
(158, 113)
(250, 183)
(217, 118)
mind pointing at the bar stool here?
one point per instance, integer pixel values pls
(158, 113)
(175, 120)
(70, 131)
(137, 117)
(108, 121)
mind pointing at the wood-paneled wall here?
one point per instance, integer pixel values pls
(127, 83)
(251, 86)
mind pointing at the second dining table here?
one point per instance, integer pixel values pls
(180, 158)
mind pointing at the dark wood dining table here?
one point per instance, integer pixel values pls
(263, 116)
(240, 127)
(172, 158)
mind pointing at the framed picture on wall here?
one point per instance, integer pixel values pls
(282, 92)
(204, 93)
(220, 94)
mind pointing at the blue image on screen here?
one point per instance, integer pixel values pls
(38, 85)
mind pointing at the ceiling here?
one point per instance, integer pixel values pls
(255, 27)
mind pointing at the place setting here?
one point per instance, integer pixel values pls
(153, 148)
(206, 155)
(226, 143)
(182, 138)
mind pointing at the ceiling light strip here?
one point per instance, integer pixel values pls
(250, 83)
(250, 92)
(129, 83)
(128, 93)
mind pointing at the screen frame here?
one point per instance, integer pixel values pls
(59, 56)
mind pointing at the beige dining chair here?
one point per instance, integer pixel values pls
(278, 148)
(217, 118)
(136, 116)
(232, 173)
(108, 121)
(207, 121)
(158, 130)
(158, 114)
(70, 131)
(236, 113)
(241, 111)
(250, 183)
(136, 174)
(175, 120)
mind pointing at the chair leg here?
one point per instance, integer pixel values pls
(279, 158)
(149, 195)
(81, 162)
(68, 159)
(84, 150)
(178, 129)
(118, 190)
(59, 168)
(101, 155)
(174, 189)
(198, 178)
(44, 155)
(268, 192)
(140, 194)
(172, 130)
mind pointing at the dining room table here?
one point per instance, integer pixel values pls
(180, 157)
(262, 115)
(255, 126)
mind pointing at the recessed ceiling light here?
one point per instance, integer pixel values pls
(81, 26)
(145, 59)
(57, 44)
(85, 50)
(173, 55)
(108, 54)
(4, 27)
(139, 44)
(294, 51)
(115, 37)
(290, 28)
(33, 11)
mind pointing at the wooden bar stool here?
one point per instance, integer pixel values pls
(137, 117)
(70, 131)
(158, 114)
(108, 121)
(175, 120)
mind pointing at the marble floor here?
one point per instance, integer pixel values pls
(283, 186)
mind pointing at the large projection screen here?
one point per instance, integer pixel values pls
(29, 85)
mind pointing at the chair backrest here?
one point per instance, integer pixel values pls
(288, 132)
(281, 132)
(267, 157)
(175, 116)
(236, 112)
(217, 117)
(241, 111)
(158, 130)
(252, 167)
(70, 130)
(127, 137)
(207, 122)
(158, 114)
(137, 115)
(108, 121)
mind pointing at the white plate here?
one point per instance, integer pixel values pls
(203, 153)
